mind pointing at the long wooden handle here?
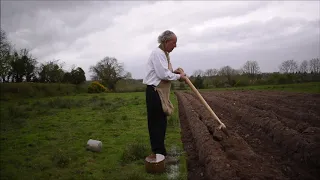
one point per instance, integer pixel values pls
(204, 102)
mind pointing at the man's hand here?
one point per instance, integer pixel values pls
(183, 77)
(179, 71)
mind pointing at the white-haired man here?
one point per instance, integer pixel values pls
(158, 78)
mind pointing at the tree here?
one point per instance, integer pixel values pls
(288, 66)
(211, 72)
(251, 68)
(109, 72)
(5, 56)
(18, 67)
(198, 72)
(198, 82)
(51, 72)
(29, 64)
(77, 76)
(67, 77)
(228, 72)
(128, 75)
(314, 65)
(304, 66)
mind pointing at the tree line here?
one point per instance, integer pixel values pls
(252, 68)
(290, 71)
(20, 66)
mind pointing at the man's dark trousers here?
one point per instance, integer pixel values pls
(157, 121)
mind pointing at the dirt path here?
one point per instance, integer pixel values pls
(271, 138)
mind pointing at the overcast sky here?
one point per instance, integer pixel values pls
(211, 34)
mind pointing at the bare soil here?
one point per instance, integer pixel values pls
(273, 135)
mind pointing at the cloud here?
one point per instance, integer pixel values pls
(211, 34)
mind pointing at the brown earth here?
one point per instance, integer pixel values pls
(273, 135)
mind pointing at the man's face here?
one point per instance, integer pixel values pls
(171, 44)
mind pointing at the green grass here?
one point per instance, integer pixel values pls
(313, 87)
(45, 138)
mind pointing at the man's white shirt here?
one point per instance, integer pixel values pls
(157, 69)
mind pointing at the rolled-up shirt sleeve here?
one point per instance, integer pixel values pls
(160, 64)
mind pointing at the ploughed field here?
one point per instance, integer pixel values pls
(273, 135)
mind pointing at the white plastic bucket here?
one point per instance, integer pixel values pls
(94, 145)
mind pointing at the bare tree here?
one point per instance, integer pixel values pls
(251, 68)
(211, 72)
(5, 55)
(315, 65)
(240, 71)
(228, 72)
(198, 72)
(289, 66)
(29, 64)
(304, 66)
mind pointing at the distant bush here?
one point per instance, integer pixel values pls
(242, 81)
(123, 86)
(30, 90)
(96, 87)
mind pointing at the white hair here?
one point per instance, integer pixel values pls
(165, 36)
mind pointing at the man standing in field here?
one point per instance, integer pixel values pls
(158, 80)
